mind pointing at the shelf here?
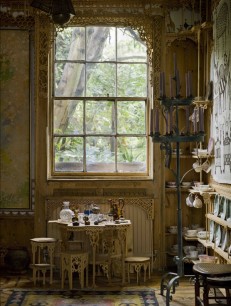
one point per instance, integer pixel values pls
(173, 190)
(202, 192)
(218, 220)
(223, 254)
(202, 156)
(206, 243)
(190, 238)
(187, 156)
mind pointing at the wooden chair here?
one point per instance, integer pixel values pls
(42, 257)
(211, 276)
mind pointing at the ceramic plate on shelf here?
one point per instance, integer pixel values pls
(210, 145)
(222, 208)
(216, 205)
(228, 209)
(217, 234)
(211, 231)
(224, 239)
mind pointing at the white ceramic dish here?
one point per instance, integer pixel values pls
(211, 236)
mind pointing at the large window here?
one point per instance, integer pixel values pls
(99, 103)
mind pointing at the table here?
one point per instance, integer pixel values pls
(205, 271)
(93, 231)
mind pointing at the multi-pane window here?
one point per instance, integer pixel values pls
(100, 103)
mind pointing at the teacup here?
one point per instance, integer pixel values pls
(206, 166)
(197, 203)
(189, 200)
(197, 167)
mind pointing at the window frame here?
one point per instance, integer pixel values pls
(54, 175)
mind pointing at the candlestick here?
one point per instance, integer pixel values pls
(157, 120)
(190, 83)
(170, 115)
(177, 83)
(167, 114)
(186, 85)
(187, 119)
(201, 119)
(174, 62)
(163, 81)
(161, 85)
(151, 122)
(170, 86)
(195, 120)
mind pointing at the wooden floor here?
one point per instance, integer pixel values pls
(183, 296)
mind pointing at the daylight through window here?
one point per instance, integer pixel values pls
(100, 103)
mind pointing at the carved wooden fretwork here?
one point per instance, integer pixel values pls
(146, 204)
(158, 24)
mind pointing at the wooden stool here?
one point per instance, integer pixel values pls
(209, 276)
(72, 261)
(138, 263)
(42, 257)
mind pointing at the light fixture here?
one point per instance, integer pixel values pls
(60, 11)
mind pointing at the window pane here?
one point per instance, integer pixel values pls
(100, 80)
(131, 117)
(69, 79)
(130, 48)
(68, 153)
(132, 80)
(131, 154)
(68, 117)
(101, 44)
(100, 154)
(70, 44)
(99, 117)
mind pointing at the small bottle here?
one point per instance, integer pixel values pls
(66, 214)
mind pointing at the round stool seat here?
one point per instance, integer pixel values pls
(43, 240)
(137, 259)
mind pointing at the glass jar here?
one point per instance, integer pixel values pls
(66, 214)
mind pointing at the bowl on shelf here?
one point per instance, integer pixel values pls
(203, 234)
(207, 258)
(191, 233)
(186, 184)
(202, 151)
(173, 229)
(188, 248)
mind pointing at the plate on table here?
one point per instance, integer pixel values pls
(217, 234)
(211, 231)
(216, 204)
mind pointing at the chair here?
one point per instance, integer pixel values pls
(42, 257)
(71, 262)
(211, 276)
(138, 263)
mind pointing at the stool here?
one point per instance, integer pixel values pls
(42, 257)
(72, 261)
(138, 263)
(209, 276)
